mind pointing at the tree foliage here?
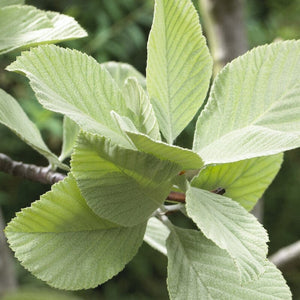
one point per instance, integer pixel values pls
(120, 129)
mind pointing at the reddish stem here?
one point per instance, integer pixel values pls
(180, 197)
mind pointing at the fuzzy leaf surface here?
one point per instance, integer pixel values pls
(142, 116)
(61, 241)
(244, 181)
(70, 132)
(198, 269)
(232, 228)
(254, 106)
(178, 67)
(120, 72)
(13, 116)
(121, 185)
(28, 26)
(156, 235)
(186, 158)
(74, 84)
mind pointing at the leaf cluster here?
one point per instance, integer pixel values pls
(120, 129)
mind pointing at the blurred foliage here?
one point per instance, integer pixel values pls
(118, 30)
(269, 20)
(39, 294)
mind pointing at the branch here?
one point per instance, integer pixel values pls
(45, 175)
(180, 197)
(176, 197)
(286, 256)
(28, 171)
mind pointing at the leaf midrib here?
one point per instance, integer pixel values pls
(170, 137)
(188, 259)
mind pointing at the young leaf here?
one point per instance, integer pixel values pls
(74, 84)
(156, 235)
(232, 228)
(70, 132)
(254, 106)
(138, 102)
(121, 185)
(244, 181)
(10, 2)
(28, 26)
(198, 269)
(178, 67)
(61, 241)
(13, 116)
(186, 158)
(120, 72)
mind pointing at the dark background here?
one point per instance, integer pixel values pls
(118, 30)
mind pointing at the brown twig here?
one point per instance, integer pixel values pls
(176, 197)
(44, 175)
(180, 197)
(29, 171)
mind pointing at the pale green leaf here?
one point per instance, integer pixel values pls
(186, 158)
(70, 132)
(13, 116)
(244, 181)
(121, 185)
(72, 83)
(156, 235)
(178, 67)
(61, 241)
(10, 2)
(125, 124)
(143, 116)
(198, 269)
(122, 71)
(254, 106)
(28, 26)
(232, 228)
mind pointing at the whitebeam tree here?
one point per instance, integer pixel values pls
(126, 174)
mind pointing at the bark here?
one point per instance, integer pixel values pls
(225, 29)
(28, 171)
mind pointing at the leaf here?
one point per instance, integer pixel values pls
(186, 158)
(232, 228)
(13, 117)
(254, 108)
(70, 132)
(61, 241)
(120, 72)
(10, 2)
(198, 269)
(121, 185)
(143, 116)
(28, 26)
(178, 67)
(244, 181)
(156, 235)
(125, 124)
(72, 83)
